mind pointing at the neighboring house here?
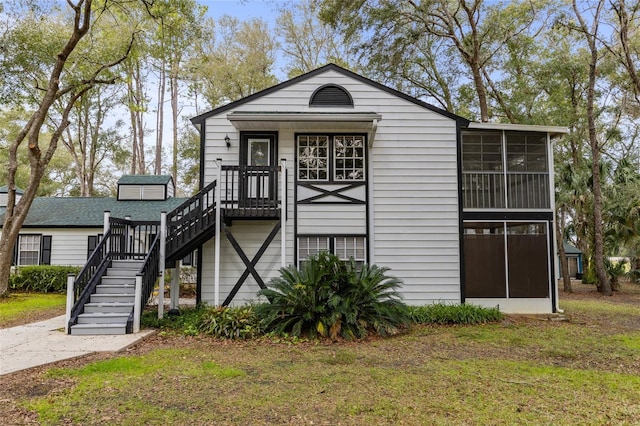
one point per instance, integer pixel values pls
(65, 230)
(574, 260)
(330, 160)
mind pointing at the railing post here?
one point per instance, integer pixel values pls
(163, 251)
(216, 261)
(127, 235)
(137, 304)
(175, 287)
(106, 226)
(71, 279)
(283, 211)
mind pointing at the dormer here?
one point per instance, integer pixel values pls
(145, 187)
(4, 195)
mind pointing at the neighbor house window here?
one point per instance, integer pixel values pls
(28, 250)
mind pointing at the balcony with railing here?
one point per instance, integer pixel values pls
(524, 190)
(249, 191)
(241, 192)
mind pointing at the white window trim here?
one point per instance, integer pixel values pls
(38, 250)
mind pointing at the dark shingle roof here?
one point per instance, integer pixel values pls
(570, 248)
(5, 190)
(144, 180)
(79, 212)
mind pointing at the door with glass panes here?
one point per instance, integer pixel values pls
(257, 186)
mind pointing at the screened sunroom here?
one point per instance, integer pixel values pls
(507, 200)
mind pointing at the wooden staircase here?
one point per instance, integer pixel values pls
(104, 291)
(108, 309)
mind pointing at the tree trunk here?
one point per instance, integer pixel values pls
(16, 213)
(564, 264)
(481, 92)
(140, 119)
(160, 117)
(591, 35)
(173, 83)
(134, 124)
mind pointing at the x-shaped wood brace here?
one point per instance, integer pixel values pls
(251, 265)
(332, 192)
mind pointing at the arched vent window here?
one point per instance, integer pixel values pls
(331, 95)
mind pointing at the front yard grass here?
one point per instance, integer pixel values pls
(22, 308)
(524, 370)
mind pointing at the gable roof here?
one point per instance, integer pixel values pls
(329, 67)
(88, 212)
(145, 180)
(570, 248)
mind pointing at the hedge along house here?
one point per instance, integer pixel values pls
(330, 160)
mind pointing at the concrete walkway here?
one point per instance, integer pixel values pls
(45, 342)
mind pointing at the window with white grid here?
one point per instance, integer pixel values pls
(313, 157)
(351, 247)
(29, 250)
(349, 157)
(309, 246)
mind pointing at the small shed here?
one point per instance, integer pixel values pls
(574, 260)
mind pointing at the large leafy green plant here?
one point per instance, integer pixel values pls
(332, 298)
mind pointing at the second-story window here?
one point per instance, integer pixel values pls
(313, 157)
(331, 158)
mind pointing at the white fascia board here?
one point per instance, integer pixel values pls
(552, 130)
(243, 120)
(305, 121)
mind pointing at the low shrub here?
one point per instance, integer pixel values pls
(42, 278)
(441, 314)
(331, 298)
(231, 323)
(187, 322)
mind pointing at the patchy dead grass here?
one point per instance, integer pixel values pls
(580, 369)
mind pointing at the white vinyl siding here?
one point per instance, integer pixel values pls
(412, 184)
(332, 219)
(68, 246)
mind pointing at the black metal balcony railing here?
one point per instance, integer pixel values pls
(249, 191)
(486, 190)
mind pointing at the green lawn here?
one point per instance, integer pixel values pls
(585, 371)
(20, 308)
